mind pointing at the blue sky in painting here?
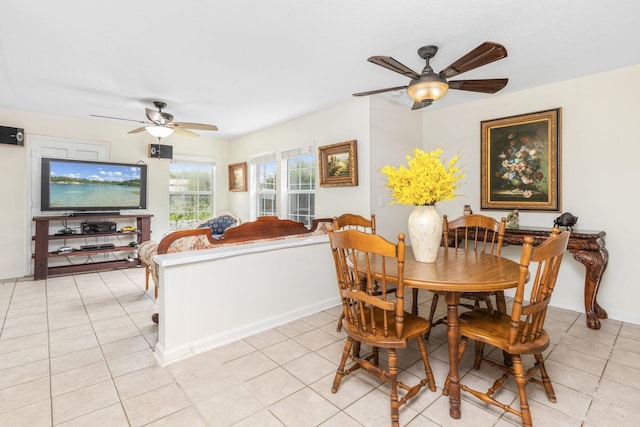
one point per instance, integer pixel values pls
(95, 171)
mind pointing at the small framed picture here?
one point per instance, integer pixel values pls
(520, 162)
(238, 177)
(338, 164)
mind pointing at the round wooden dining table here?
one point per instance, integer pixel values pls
(453, 272)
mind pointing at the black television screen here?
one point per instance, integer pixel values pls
(81, 185)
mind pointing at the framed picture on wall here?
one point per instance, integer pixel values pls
(238, 177)
(338, 164)
(520, 162)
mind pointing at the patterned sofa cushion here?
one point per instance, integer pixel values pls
(147, 250)
(219, 224)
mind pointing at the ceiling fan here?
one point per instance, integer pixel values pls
(161, 124)
(428, 86)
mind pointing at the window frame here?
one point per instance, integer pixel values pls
(177, 224)
(286, 190)
(257, 191)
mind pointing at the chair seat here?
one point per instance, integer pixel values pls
(493, 328)
(413, 326)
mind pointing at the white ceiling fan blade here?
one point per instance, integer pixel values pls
(142, 129)
(183, 132)
(198, 126)
(117, 118)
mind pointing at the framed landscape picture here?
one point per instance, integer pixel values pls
(238, 177)
(338, 164)
(520, 162)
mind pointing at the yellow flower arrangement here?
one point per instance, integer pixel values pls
(425, 181)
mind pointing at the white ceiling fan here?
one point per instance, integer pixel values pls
(161, 124)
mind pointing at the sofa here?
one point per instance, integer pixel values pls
(259, 275)
(215, 227)
(265, 228)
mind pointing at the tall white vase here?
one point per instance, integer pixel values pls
(425, 233)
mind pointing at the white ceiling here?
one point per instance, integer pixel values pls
(244, 65)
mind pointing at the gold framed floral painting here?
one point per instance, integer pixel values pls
(520, 162)
(338, 164)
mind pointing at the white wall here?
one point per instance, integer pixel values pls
(15, 223)
(343, 122)
(395, 132)
(14, 249)
(599, 175)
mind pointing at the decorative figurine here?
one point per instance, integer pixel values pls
(513, 219)
(566, 220)
(467, 210)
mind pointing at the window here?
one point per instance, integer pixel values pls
(264, 172)
(190, 192)
(300, 169)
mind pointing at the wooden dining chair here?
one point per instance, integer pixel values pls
(522, 331)
(349, 221)
(376, 319)
(471, 232)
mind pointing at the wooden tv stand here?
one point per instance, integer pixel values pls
(42, 238)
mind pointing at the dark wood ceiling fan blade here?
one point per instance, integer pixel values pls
(391, 64)
(119, 118)
(484, 54)
(142, 129)
(198, 126)
(484, 85)
(373, 92)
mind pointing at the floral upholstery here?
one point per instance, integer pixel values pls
(192, 243)
(147, 250)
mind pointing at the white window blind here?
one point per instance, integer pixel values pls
(298, 152)
(263, 158)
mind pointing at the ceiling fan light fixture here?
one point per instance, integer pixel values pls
(432, 89)
(159, 131)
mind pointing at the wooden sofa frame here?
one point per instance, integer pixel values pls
(264, 228)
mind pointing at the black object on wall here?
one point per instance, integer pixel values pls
(13, 136)
(159, 151)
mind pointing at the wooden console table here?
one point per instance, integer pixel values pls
(587, 247)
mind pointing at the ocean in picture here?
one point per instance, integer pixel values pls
(103, 194)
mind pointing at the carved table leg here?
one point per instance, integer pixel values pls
(595, 262)
(453, 337)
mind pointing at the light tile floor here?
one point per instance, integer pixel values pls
(78, 351)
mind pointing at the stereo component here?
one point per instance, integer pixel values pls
(99, 227)
(159, 151)
(12, 136)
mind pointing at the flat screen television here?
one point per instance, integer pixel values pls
(92, 186)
